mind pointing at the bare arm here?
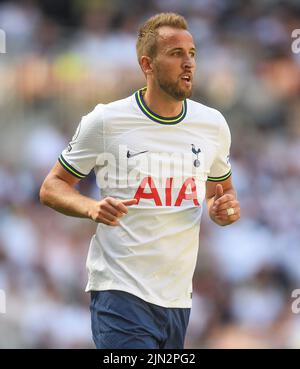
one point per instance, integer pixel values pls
(221, 196)
(58, 192)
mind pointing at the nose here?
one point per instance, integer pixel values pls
(188, 62)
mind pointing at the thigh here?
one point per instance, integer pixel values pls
(177, 326)
(121, 340)
(121, 321)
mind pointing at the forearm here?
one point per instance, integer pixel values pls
(65, 199)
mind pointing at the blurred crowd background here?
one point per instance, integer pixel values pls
(64, 57)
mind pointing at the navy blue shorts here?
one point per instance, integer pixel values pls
(124, 321)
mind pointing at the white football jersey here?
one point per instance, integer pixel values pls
(163, 163)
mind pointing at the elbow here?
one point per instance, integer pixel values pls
(43, 194)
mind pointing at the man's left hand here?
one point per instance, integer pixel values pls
(225, 209)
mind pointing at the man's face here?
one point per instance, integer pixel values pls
(174, 63)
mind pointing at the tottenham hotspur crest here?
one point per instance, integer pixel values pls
(196, 152)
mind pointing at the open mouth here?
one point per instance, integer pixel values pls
(186, 77)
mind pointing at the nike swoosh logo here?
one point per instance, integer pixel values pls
(130, 155)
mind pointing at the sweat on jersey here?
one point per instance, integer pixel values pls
(163, 163)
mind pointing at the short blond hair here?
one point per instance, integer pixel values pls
(147, 37)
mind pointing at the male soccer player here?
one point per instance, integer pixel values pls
(156, 155)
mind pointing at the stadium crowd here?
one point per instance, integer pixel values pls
(65, 57)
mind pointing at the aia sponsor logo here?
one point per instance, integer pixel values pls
(148, 190)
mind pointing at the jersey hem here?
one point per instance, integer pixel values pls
(220, 179)
(68, 167)
(179, 304)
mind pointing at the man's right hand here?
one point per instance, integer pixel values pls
(109, 210)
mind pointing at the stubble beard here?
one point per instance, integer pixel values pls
(172, 88)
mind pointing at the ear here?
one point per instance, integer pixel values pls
(146, 64)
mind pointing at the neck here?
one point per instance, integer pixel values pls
(161, 103)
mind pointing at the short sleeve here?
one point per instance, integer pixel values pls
(221, 168)
(80, 157)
